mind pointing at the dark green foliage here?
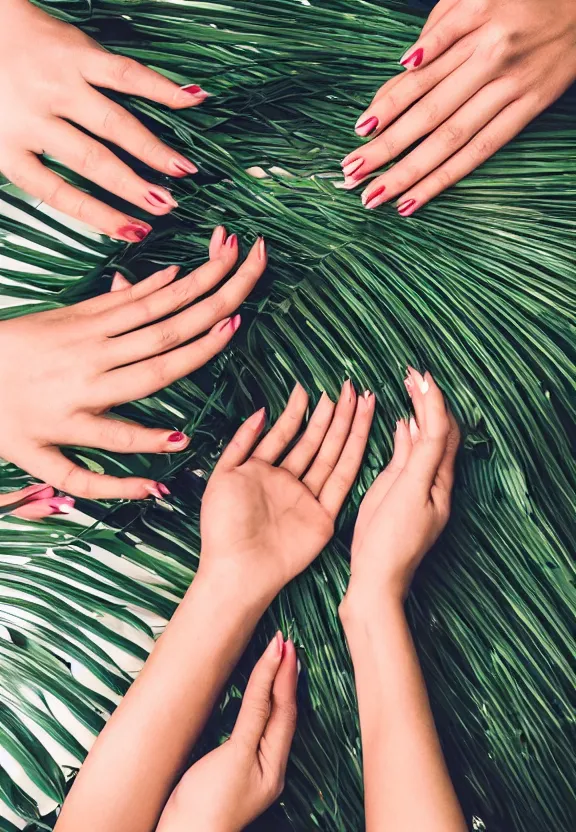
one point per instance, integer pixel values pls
(479, 288)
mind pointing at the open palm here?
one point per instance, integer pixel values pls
(274, 520)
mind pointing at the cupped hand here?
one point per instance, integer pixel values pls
(264, 522)
(479, 73)
(50, 72)
(62, 370)
(232, 785)
(408, 505)
(34, 503)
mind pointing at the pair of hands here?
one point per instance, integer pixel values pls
(265, 516)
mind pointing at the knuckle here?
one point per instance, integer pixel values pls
(452, 134)
(90, 160)
(166, 336)
(481, 147)
(83, 209)
(75, 481)
(122, 69)
(289, 712)
(218, 305)
(430, 110)
(443, 178)
(113, 121)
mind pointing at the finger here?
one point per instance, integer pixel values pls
(302, 454)
(39, 509)
(502, 129)
(123, 292)
(279, 732)
(95, 162)
(27, 172)
(341, 480)
(136, 381)
(334, 441)
(443, 143)
(434, 425)
(439, 10)
(255, 710)
(442, 488)
(50, 464)
(146, 310)
(424, 117)
(285, 428)
(115, 72)
(104, 118)
(123, 436)
(439, 37)
(167, 334)
(238, 449)
(38, 491)
(394, 97)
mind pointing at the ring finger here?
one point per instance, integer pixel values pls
(95, 162)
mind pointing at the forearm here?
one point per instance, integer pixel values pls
(406, 782)
(131, 770)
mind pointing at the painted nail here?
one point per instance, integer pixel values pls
(61, 506)
(349, 389)
(184, 167)
(261, 248)
(415, 58)
(414, 429)
(232, 241)
(366, 127)
(163, 489)
(39, 491)
(409, 384)
(279, 643)
(177, 436)
(194, 89)
(235, 323)
(298, 666)
(352, 167)
(224, 324)
(406, 208)
(219, 235)
(159, 199)
(259, 418)
(134, 233)
(154, 491)
(366, 394)
(370, 200)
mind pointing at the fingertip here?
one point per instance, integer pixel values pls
(217, 240)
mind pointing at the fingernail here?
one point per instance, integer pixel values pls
(298, 666)
(259, 418)
(349, 387)
(261, 248)
(415, 58)
(134, 232)
(163, 489)
(154, 491)
(409, 384)
(366, 394)
(279, 643)
(406, 208)
(194, 89)
(232, 241)
(183, 167)
(371, 200)
(219, 235)
(38, 492)
(352, 167)
(160, 199)
(366, 127)
(414, 429)
(424, 386)
(177, 436)
(62, 505)
(235, 323)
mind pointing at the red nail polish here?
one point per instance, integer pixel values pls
(235, 323)
(370, 199)
(163, 489)
(406, 208)
(183, 167)
(177, 436)
(352, 167)
(232, 241)
(261, 248)
(193, 89)
(134, 233)
(367, 127)
(159, 199)
(415, 58)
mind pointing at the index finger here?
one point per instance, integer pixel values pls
(434, 427)
(279, 732)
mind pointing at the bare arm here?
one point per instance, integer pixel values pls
(407, 786)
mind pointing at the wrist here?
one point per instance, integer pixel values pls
(225, 582)
(366, 602)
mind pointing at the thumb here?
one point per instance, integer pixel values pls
(255, 710)
(279, 732)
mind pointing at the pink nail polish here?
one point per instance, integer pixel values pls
(259, 418)
(406, 208)
(279, 644)
(163, 489)
(61, 505)
(352, 167)
(367, 127)
(371, 200)
(183, 167)
(261, 248)
(415, 58)
(232, 241)
(235, 323)
(224, 324)
(193, 89)
(177, 436)
(134, 232)
(159, 199)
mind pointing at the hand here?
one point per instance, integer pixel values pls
(34, 503)
(61, 370)
(264, 524)
(232, 785)
(479, 73)
(408, 505)
(50, 71)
